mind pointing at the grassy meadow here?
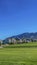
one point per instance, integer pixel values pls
(20, 55)
(23, 45)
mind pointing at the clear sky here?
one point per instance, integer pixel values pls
(17, 16)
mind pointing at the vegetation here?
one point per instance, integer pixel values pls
(0, 44)
(23, 45)
(19, 54)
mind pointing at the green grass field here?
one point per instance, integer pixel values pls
(18, 56)
(23, 45)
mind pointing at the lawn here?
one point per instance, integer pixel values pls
(18, 56)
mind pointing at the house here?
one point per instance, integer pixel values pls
(9, 41)
(13, 40)
(19, 40)
(26, 40)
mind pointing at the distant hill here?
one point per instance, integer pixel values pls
(22, 36)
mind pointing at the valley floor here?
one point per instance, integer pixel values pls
(18, 56)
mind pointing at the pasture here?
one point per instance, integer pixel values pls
(19, 54)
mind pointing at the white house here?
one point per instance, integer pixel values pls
(13, 40)
(9, 40)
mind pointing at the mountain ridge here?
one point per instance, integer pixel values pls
(25, 35)
(22, 36)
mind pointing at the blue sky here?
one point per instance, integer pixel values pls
(17, 16)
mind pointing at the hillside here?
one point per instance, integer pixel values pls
(23, 36)
(26, 35)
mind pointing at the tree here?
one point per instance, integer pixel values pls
(1, 42)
